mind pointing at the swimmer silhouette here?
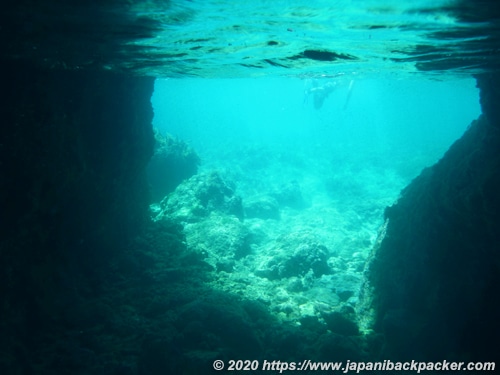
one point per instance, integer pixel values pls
(319, 92)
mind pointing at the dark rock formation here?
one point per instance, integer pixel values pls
(73, 151)
(490, 93)
(436, 272)
(341, 322)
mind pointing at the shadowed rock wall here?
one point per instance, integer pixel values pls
(436, 273)
(73, 191)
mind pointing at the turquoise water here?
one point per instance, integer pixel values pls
(404, 124)
(315, 115)
(307, 118)
(224, 39)
(345, 145)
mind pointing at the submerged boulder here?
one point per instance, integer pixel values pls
(197, 197)
(290, 195)
(220, 238)
(262, 207)
(295, 254)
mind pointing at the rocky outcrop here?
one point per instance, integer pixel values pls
(295, 254)
(197, 197)
(436, 272)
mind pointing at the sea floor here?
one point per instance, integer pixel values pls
(308, 227)
(259, 255)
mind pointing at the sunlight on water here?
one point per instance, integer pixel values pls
(307, 38)
(230, 39)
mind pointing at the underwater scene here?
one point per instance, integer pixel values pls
(282, 183)
(260, 187)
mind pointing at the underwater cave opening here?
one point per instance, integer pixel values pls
(290, 177)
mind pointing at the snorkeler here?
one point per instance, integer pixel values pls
(320, 93)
